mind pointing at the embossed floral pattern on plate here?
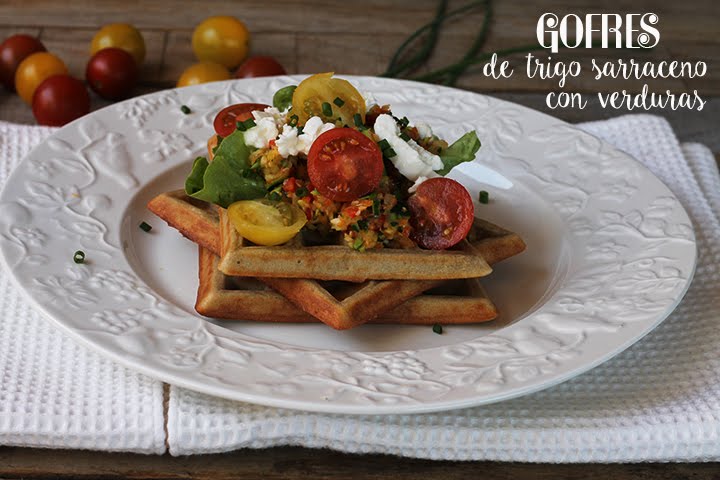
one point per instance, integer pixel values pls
(630, 257)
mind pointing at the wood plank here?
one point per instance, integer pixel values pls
(259, 15)
(293, 463)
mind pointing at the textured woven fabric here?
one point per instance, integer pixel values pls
(658, 400)
(53, 392)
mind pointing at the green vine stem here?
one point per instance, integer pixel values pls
(395, 70)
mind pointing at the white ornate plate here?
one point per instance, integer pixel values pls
(610, 253)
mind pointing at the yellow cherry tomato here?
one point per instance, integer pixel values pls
(266, 223)
(223, 39)
(34, 70)
(120, 35)
(203, 72)
(340, 96)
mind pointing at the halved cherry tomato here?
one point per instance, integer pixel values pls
(321, 88)
(442, 213)
(259, 66)
(344, 164)
(266, 223)
(14, 50)
(226, 121)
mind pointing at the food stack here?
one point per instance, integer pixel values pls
(341, 287)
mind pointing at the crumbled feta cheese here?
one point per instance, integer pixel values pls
(411, 159)
(290, 143)
(287, 143)
(259, 136)
(270, 112)
(424, 130)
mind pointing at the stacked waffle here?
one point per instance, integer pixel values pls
(332, 283)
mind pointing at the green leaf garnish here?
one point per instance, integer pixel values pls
(463, 150)
(283, 97)
(228, 178)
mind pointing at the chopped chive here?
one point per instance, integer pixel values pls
(327, 109)
(249, 123)
(376, 207)
(300, 130)
(355, 227)
(315, 192)
(437, 328)
(358, 243)
(405, 136)
(404, 122)
(293, 120)
(484, 197)
(393, 224)
(339, 101)
(145, 227)
(363, 224)
(389, 152)
(185, 109)
(383, 144)
(357, 118)
(79, 257)
(240, 126)
(301, 192)
(274, 197)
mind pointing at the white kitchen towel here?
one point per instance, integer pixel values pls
(657, 401)
(53, 392)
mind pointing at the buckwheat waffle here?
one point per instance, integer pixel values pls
(236, 298)
(201, 224)
(240, 257)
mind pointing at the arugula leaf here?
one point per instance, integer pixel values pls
(463, 150)
(228, 178)
(283, 97)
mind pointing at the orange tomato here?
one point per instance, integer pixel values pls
(203, 72)
(34, 70)
(120, 35)
(223, 39)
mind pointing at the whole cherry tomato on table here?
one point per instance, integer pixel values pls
(14, 50)
(120, 35)
(343, 164)
(60, 99)
(203, 72)
(226, 120)
(442, 213)
(223, 39)
(34, 70)
(112, 73)
(259, 66)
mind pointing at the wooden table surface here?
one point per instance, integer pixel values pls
(358, 38)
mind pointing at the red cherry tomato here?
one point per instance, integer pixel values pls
(259, 66)
(112, 73)
(226, 121)
(442, 213)
(14, 50)
(343, 164)
(60, 99)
